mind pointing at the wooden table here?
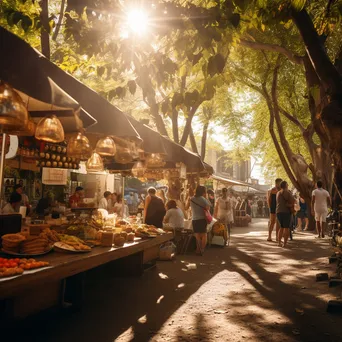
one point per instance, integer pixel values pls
(36, 290)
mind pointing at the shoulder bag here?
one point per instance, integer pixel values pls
(207, 214)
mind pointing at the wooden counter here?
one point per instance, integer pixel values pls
(69, 265)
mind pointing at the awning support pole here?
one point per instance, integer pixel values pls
(2, 166)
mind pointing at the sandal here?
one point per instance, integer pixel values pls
(269, 240)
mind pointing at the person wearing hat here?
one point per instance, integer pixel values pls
(77, 198)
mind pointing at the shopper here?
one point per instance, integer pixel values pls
(224, 209)
(174, 215)
(302, 214)
(211, 199)
(105, 201)
(154, 211)
(19, 188)
(320, 202)
(272, 204)
(119, 206)
(199, 204)
(161, 195)
(77, 198)
(284, 210)
(10, 208)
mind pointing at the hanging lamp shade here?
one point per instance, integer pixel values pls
(13, 113)
(154, 160)
(123, 155)
(138, 170)
(79, 147)
(50, 129)
(95, 163)
(26, 131)
(106, 147)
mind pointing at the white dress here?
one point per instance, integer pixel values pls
(225, 210)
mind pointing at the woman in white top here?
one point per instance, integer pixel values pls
(174, 215)
(105, 201)
(120, 207)
(224, 208)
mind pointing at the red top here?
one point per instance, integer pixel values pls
(74, 200)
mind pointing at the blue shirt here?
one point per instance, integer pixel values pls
(198, 204)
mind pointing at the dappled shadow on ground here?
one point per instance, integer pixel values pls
(252, 290)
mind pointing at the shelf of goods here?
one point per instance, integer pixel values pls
(45, 280)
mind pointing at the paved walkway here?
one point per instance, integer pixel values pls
(251, 291)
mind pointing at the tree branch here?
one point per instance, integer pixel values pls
(292, 119)
(273, 48)
(59, 23)
(193, 141)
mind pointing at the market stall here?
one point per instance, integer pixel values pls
(38, 289)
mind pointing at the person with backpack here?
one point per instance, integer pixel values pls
(154, 209)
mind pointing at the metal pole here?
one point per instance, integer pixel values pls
(123, 188)
(2, 166)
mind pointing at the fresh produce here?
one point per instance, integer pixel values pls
(30, 264)
(13, 267)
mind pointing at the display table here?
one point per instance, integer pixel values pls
(36, 290)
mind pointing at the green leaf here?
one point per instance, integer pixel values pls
(100, 71)
(177, 100)
(165, 107)
(235, 19)
(120, 92)
(298, 4)
(132, 86)
(111, 94)
(26, 23)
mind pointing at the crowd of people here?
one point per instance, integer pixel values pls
(288, 210)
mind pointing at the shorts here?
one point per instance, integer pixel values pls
(284, 219)
(273, 210)
(301, 214)
(199, 226)
(321, 217)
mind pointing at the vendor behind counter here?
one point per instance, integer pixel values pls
(76, 199)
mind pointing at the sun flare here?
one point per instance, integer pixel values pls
(137, 21)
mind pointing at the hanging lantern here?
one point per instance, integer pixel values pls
(13, 113)
(155, 160)
(95, 163)
(106, 147)
(50, 129)
(27, 131)
(79, 147)
(138, 170)
(123, 155)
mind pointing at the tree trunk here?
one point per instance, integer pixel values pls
(204, 140)
(175, 128)
(45, 29)
(60, 20)
(157, 118)
(188, 123)
(193, 141)
(325, 69)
